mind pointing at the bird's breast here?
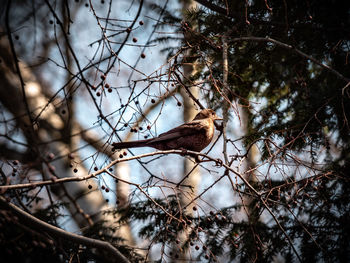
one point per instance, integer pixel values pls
(203, 138)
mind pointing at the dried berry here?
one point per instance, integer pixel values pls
(50, 156)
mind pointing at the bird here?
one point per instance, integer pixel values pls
(194, 135)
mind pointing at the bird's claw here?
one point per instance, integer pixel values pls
(218, 162)
(183, 152)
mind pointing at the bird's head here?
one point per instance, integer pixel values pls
(207, 113)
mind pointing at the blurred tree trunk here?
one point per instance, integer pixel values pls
(250, 202)
(190, 169)
(47, 136)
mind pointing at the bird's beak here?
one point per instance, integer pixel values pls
(218, 118)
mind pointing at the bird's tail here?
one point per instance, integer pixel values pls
(132, 144)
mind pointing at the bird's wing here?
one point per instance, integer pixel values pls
(191, 128)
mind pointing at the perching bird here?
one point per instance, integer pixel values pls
(193, 136)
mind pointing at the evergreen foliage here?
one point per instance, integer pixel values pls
(289, 68)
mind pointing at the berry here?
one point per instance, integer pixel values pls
(134, 40)
(51, 156)
(143, 55)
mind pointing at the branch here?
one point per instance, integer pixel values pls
(58, 232)
(114, 162)
(8, 29)
(297, 51)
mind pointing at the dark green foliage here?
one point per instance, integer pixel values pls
(318, 228)
(303, 109)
